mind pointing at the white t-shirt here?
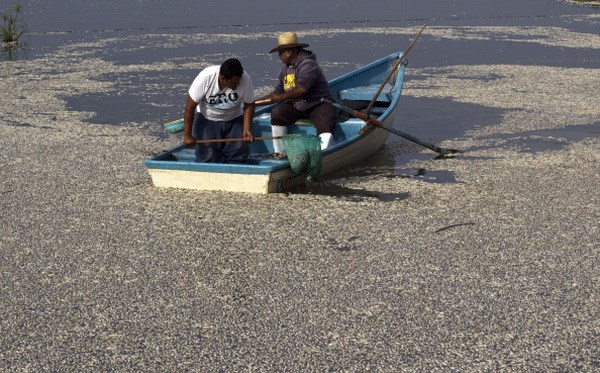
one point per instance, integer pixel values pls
(216, 104)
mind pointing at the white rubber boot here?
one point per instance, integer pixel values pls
(278, 143)
(325, 139)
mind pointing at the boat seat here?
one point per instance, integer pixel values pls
(366, 93)
(307, 122)
(378, 110)
(265, 121)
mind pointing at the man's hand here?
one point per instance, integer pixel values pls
(188, 140)
(248, 136)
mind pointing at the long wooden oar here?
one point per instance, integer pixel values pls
(236, 139)
(375, 122)
(393, 70)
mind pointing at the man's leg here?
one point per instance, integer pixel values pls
(282, 115)
(204, 129)
(324, 116)
(234, 151)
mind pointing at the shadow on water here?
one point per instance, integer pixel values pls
(393, 162)
(329, 188)
(432, 120)
(381, 165)
(131, 91)
(157, 97)
(550, 139)
(435, 120)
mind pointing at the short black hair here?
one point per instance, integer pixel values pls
(230, 68)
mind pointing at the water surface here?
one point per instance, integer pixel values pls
(344, 34)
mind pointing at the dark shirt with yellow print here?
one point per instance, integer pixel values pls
(307, 74)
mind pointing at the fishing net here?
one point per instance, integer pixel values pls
(304, 154)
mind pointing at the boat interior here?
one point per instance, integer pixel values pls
(261, 152)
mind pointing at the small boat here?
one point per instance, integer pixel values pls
(353, 138)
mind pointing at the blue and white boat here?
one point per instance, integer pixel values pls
(352, 141)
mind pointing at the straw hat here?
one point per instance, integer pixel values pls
(287, 40)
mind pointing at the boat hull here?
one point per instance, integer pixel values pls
(273, 182)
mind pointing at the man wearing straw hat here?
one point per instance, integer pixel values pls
(299, 91)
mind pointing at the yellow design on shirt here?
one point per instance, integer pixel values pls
(289, 82)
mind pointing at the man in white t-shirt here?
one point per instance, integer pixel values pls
(220, 105)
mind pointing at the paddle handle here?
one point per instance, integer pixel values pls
(393, 70)
(235, 139)
(267, 101)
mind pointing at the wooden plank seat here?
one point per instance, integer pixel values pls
(366, 93)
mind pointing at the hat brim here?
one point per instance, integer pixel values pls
(288, 46)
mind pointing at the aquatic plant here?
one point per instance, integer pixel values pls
(12, 32)
(13, 26)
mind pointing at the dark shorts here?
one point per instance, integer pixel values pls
(323, 116)
(220, 152)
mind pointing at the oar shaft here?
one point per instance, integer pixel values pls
(377, 123)
(235, 139)
(393, 70)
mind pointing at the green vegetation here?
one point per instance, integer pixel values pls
(12, 31)
(13, 26)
